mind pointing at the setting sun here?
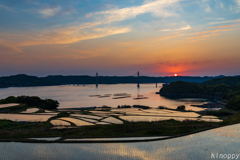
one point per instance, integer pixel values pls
(175, 75)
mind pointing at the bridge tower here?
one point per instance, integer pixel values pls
(138, 81)
(96, 80)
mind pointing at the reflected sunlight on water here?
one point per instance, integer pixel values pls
(79, 96)
(196, 146)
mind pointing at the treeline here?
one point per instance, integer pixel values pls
(23, 80)
(33, 101)
(226, 80)
(123, 79)
(229, 93)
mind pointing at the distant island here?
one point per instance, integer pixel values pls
(225, 89)
(22, 80)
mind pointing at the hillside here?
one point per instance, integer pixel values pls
(21, 80)
(225, 80)
(228, 93)
(25, 80)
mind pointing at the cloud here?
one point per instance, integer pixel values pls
(49, 11)
(164, 30)
(157, 7)
(202, 36)
(5, 7)
(211, 31)
(208, 9)
(70, 35)
(220, 22)
(238, 2)
(6, 48)
(221, 5)
(176, 63)
(225, 26)
(168, 37)
(185, 28)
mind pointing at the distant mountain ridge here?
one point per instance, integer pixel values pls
(22, 80)
(226, 80)
(123, 79)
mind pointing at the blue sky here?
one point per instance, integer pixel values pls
(157, 37)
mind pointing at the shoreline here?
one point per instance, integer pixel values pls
(211, 104)
(61, 140)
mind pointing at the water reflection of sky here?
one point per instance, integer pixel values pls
(78, 96)
(198, 146)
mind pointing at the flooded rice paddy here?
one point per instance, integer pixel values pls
(112, 120)
(26, 117)
(8, 105)
(118, 139)
(59, 123)
(30, 110)
(197, 146)
(77, 122)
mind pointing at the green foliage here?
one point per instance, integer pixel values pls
(63, 114)
(187, 88)
(105, 106)
(225, 80)
(40, 111)
(24, 80)
(141, 106)
(124, 106)
(10, 99)
(221, 112)
(182, 108)
(32, 101)
(162, 107)
(225, 92)
(234, 103)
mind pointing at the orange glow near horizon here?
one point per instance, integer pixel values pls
(175, 75)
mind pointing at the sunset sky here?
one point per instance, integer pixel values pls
(113, 37)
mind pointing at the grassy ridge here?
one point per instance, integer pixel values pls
(128, 129)
(160, 128)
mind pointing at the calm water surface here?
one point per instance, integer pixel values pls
(198, 146)
(78, 96)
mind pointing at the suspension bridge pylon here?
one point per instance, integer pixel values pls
(138, 81)
(96, 79)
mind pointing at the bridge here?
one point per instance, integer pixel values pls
(137, 80)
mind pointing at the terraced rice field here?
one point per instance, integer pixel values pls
(77, 122)
(60, 123)
(47, 139)
(112, 120)
(86, 116)
(8, 105)
(158, 118)
(109, 139)
(89, 120)
(101, 113)
(23, 117)
(102, 123)
(48, 113)
(30, 110)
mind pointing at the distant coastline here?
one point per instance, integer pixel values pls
(22, 80)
